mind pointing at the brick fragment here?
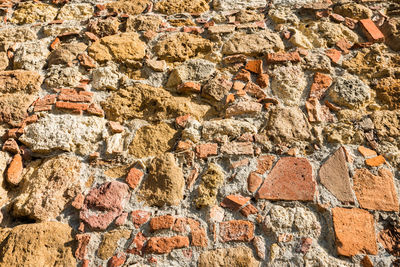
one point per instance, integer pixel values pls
(264, 163)
(336, 17)
(281, 57)
(121, 219)
(116, 260)
(189, 87)
(206, 150)
(243, 108)
(199, 238)
(234, 202)
(193, 175)
(140, 217)
(86, 61)
(161, 223)
(255, 66)
(371, 31)
(239, 163)
(253, 182)
(134, 177)
(334, 55)
(95, 110)
(46, 100)
(248, 210)
(263, 80)
(344, 45)
(71, 106)
(238, 148)
(11, 146)
(74, 98)
(42, 108)
(14, 171)
(254, 90)
(92, 36)
(375, 161)
(321, 83)
(243, 75)
(182, 120)
(78, 201)
(115, 127)
(366, 152)
(163, 245)
(236, 230)
(81, 250)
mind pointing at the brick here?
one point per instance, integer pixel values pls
(182, 120)
(354, 232)
(263, 80)
(184, 146)
(71, 106)
(243, 75)
(248, 210)
(78, 201)
(193, 175)
(74, 98)
(321, 83)
(11, 146)
(42, 108)
(140, 217)
(234, 202)
(86, 61)
(163, 245)
(334, 55)
(305, 245)
(91, 36)
(138, 242)
(240, 163)
(81, 250)
(375, 161)
(95, 110)
(366, 152)
(375, 192)
(366, 262)
(254, 90)
(199, 238)
(189, 87)
(234, 59)
(371, 31)
(215, 214)
(206, 150)
(281, 57)
(255, 66)
(161, 223)
(46, 100)
(115, 127)
(238, 148)
(290, 179)
(14, 171)
(221, 29)
(344, 45)
(264, 163)
(116, 260)
(253, 182)
(336, 17)
(236, 230)
(134, 177)
(238, 86)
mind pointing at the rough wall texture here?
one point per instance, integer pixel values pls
(199, 133)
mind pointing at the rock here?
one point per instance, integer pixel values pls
(282, 14)
(288, 124)
(129, 7)
(318, 61)
(106, 78)
(9, 36)
(153, 140)
(31, 56)
(181, 6)
(143, 23)
(217, 87)
(64, 132)
(120, 47)
(146, 102)
(110, 242)
(181, 47)
(253, 44)
(391, 30)
(75, 12)
(288, 83)
(104, 27)
(375, 192)
(66, 53)
(165, 182)
(31, 12)
(103, 204)
(61, 76)
(354, 231)
(191, 70)
(248, 108)
(343, 133)
(48, 243)
(234, 4)
(239, 256)
(211, 181)
(46, 188)
(238, 148)
(290, 179)
(18, 89)
(334, 175)
(246, 16)
(4, 158)
(226, 129)
(354, 11)
(388, 92)
(14, 171)
(3, 61)
(387, 124)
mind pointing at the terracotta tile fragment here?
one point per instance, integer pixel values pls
(376, 192)
(71, 106)
(121, 219)
(248, 210)
(321, 83)
(14, 170)
(236, 230)
(253, 89)
(366, 152)
(78, 201)
(264, 163)
(243, 75)
(334, 55)
(263, 80)
(140, 217)
(189, 87)
(161, 222)
(116, 260)
(234, 202)
(354, 231)
(134, 177)
(254, 66)
(206, 150)
(81, 250)
(199, 238)
(371, 31)
(95, 110)
(281, 57)
(11, 146)
(375, 161)
(237, 86)
(163, 245)
(115, 127)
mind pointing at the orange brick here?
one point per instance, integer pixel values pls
(14, 171)
(71, 106)
(282, 57)
(140, 217)
(95, 110)
(134, 177)
(199, 238)
(253, 182)
(234, 202)
(371, 31)
(74, 98)
(115, 127)
(163, 245)
(254, 66)
(189, 87)
(375, 161)
(236, 230)
(248, 210)
(243, 75)
(366, 152)
(334, 55)
(321, 83)
(206, 150)
(161, 222)
(263, 80)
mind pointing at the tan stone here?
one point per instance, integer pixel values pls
(46, 188)
(78, 12)
(354, 11)
(181, 6)
(388, 92)
(164, 184)
(130, 7)
(30, 12)
(211, 181)
(387, 123)
(110, 242)
(3, 60)
(153, 140)
(4, 158)
(181, 47)
(239, 256)
(143, 23)
(39, 244)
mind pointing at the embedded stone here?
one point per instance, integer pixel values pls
(181, 6)
(354, 11)
(226, 128)
(31, 12)
(238, 256)
(211, 181)
(109, 243)
(75, 12)
(233, 4)
(191, 70)
(130, 7)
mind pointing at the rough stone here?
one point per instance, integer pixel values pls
(31, 56)
(104, 27)
(217, 87)
(4, 158)
(30, 12)
(75, 12)
(181, 6)
(3, 61)
(128, 7)
(143, 23)
(391, 30)
(233, 4)
(61, 76)
(388, 92)
(239, 256)
(191, 70)
(248, 108)
(210, 182)
(66, 53)
(14, 170)
(354, 11)
(386, 124)
(109, 243)
(164, 184)
(226, 129)
(106, 78)
(9, 36)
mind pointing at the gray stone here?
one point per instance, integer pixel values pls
(191, 70)
(226, 129)
(106, 78)
(238, 4)
(61, 76)
(31, 56)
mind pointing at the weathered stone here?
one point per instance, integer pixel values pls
(387, 124)
(228, 129)
(354, 11)
(120, 47)
(18, 89)
(334, 175)
(66, 53)
(239, 256)
(164, 184)
(211, 181)
(282, 14)
(143, 23)
(248, 108)
(46, 188)
(106, 78)
(14, 170)
(217, 87)
(128, 7)
(388, 92)
(31, 56)
(3, 61)
(75, 12)
(104, 27)
(376, 192)
(181, 6)
(191, 70)
(245, 16)
(48, 243)
(181, 47)
(153, 140)
(343, 133)
(238, 148)
(64, 132)
(253, 44)
(9, 36)
(61, 76)
(4, 158)
(30, 12)
(146, 102)
(233, 4)
(290, 179)
(391, 30)
(109, 242)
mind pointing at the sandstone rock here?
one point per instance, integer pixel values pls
(3, 61)
(4, 158)
(143, 23)
(65, 53)
(245, 16)
(217, 87)
(75, 12)
(31, 56)
(46, 188)
(234, 4)
(191, 70)
(181, 47)
(153, 140)
(64, 132)
(106, 78)
(30, 12)
(181, 6)
(103, 204)
(288, 83)
(387, 124)
(9, 36)
(343, 133)
(248, 108)
(109, 242)
(104, 27)
(146, 102)
(46, 244)
(120, 47)
(239, 256)
(391, 30)
(128, 7)
(165, 182)
(226, 129)
(61, 76)
(252, 44)
(18, 89)
(298, 39)
(211, 181)
(354, 11)
(388, 92)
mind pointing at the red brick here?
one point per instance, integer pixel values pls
(305, 246)
(199, 238)
(336, 17)
(11, 146)
(74, 98)
(239, 163)
(162, 245)
(78, 201)
(264, 163)
(46, 100)
(138, 242)
(344, 45)
(81, 250)
(115, 127)
(71, 106)
(238, 148)
(254, 90)
(42, 108)
(234, 202)
(134, 177)
(182, 120)
(243, 75)
(263, 80)
(55, 43)
(255, 66)
(282, 57)
(375, 161)
(354, 232)
(85, 263)
(321, 83)
(253, 182)
(206, 150)
(116, 260)
(189, 87)
(248, 210)
(95, 110)
(31, 119)
(140, 217)
(334, 55)
(161, 222)
(14, 171)
(236, 230)
(290, 179)
(371, 31)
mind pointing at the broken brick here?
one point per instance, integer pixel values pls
(95, 110)
(71, 106)
(254, 90)
(255, 66)
(206, 150)
(134, 177)
(199, 238)
(264, 163)
(81, 250)
(321, 83)
(281, 57)
(248, 210)
(115, 127)
(78, 201)
(236, 230)
(371, 31)
(14, 171)
(189, 87)
(253, 182)
(334, 55)
(366, 152)
(140, 217)
(116, 260)
(11, 146)
(243, 75)
(161, 222)
(375, 161)
(163, 245)
(234, 202)
(263, 80)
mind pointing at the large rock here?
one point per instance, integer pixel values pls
(30, 12)
(64, 132)
(354, 11)
(120, 47)
(253, 44)
(9, 36)
(142, 101)
(239, 256)
(46, 187)
(181, 6)
(181, 47)
(388, 92)
(191, 70)
(65, 53)
(211, 181)
(387, 124)
(226, 129)
(110, 242)
(130, 7)
(39, 244)
(62, 76)
(18, 89)
(31, 56)
(235, 4)
(164, 184)
(391, 30)
(75, 12)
